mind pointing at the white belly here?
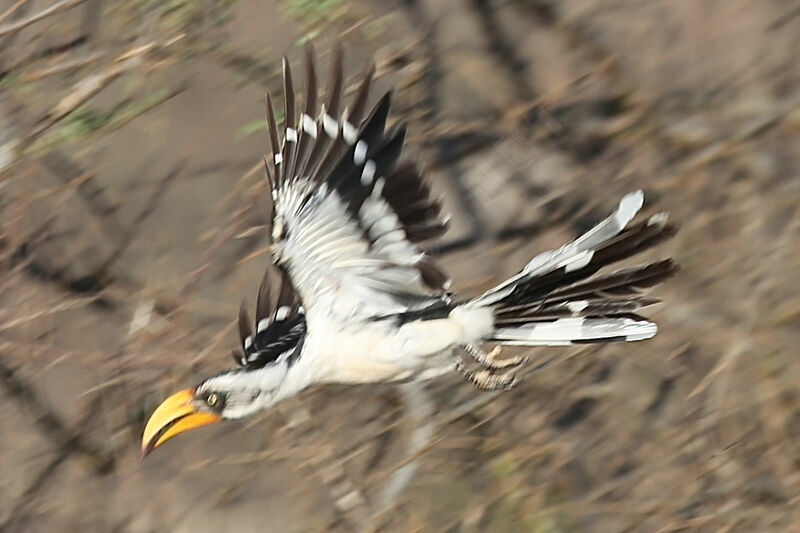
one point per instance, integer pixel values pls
(379, 351)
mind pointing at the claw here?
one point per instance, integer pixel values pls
(489, 360)
(487, 380)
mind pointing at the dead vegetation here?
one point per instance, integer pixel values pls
(132, 222)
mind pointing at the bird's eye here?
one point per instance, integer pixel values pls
(213, 399)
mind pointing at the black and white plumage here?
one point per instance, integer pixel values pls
(361, 303)
(279, 332)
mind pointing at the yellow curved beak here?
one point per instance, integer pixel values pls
(175, 415)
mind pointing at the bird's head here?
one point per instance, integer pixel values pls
(260, 382)
(230, 395)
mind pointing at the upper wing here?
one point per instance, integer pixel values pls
(347, 215)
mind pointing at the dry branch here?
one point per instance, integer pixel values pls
(56, 8)
(66, 66)
(102, 460)
(13, 9)
(87, 88)
(26, 500)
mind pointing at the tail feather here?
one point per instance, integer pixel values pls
(557, 300)
(576, 330)
(604, 231)
(576, 250)
(573, 308)
(624, 282)
(582, 265)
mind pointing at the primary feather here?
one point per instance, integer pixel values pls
(343, 213)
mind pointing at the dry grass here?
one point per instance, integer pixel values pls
(131, 223)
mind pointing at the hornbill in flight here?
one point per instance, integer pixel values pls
(360, 302)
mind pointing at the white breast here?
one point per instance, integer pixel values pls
(373, 352)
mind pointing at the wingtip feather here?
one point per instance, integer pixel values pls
(630, 204)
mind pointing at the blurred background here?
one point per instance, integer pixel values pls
(132, 213)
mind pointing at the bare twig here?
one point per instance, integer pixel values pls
(17, 11)
(350, 502)
(67, 170)
(28, 497)
(63, 67)
(87, 88)
(91, 19)
(724, 362)
(66, 306)
(504, 50)
(150, 206)
(749, 130)
(784, 19)
(13, 9)
(102, 460)
(222, 237)
(54, 9)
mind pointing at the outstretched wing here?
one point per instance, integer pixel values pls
(279, 328)
(347, 213)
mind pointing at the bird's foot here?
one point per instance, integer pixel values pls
(489, 360)
(486, 379)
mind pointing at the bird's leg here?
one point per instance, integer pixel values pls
(486, 379)
(489, 360)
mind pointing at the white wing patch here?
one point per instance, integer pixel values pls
(605, 230)
(574, 255)
(338, 226)
(571, 330)
(333, 267)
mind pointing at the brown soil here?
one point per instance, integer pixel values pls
(125, 251)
